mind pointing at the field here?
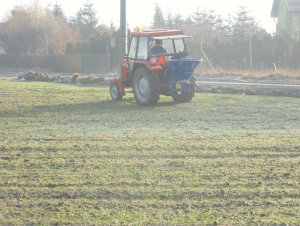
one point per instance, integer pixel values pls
(68, 155)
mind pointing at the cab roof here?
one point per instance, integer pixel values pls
(156, 33)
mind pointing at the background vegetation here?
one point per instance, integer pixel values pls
(236, 42)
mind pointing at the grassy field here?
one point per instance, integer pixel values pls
(70, 155)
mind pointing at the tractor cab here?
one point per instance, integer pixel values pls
(157, 63)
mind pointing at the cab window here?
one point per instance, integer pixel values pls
(143, 48)
(168, 45)
(132, 50)
(179, 45)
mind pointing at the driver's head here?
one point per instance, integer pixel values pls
(158, 42)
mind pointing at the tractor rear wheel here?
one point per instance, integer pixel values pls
(115, 93)
(146, 87)
(185, 97)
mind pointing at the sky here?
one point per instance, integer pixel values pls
(140, 12)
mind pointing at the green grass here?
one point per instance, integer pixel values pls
(70, 155)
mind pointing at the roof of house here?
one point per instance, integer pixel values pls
(292, 5)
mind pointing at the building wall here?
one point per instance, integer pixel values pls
(283, 18)
(288, 23)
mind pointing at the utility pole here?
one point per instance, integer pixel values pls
(123, 30)
(251, 54)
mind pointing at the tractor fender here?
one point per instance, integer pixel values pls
(156, 68)
(120, 86)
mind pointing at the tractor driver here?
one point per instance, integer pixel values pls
(158, 49)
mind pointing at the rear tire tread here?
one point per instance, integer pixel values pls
(154, 86)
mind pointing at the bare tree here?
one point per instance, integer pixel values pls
(35, 30)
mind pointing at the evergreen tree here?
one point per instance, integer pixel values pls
(98, 43)
(207, 18)
(284, 49)
(262, 49)
(86, 20)
(244, 25)
(158, 18)
(170, 22)
(178, 21)
(296, 55)
(58, 11)
(197, 16)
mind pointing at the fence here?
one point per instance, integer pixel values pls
(67, 63)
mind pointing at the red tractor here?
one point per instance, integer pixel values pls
(157, 63)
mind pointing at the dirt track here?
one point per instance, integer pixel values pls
(286, 87)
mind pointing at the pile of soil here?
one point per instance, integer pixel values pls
(37, 76)
(86, 79)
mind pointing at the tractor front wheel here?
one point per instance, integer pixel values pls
(115, 93)
(146, 87)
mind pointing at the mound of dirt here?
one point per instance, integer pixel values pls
(87, 79)
(37, 76)
(76, 79)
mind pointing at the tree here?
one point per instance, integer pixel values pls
(99, 43)
(178, 21)
(57, 11)
(35, 30)
(244, 25)
(296, 55)
(169, 22)
(241, 32)
(158, 18)
(206, 17)
(86, 20)
(208, 23)
(284, 48)
(262, 50)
